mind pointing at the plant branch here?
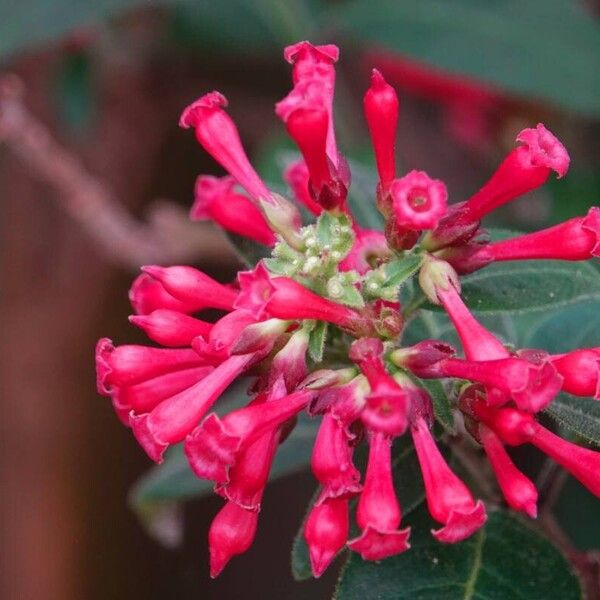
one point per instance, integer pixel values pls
(167, 237)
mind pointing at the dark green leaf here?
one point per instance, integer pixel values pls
(399, 270)
(441, 403)
(316, 342)
(576, 326)
(548, 50)
(505, 561)
(579, 415)
(523, 286)
(249, 251)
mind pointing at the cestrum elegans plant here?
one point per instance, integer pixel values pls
(320, 326)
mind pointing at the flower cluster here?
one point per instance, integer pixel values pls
(319, 327)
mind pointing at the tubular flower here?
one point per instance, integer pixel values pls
(231, 532)
(381, 108)
(284, 298)
(193, 287)
(580, 371)
(448, 499)
(318, 326)
(519, 491)
(526, 168)
(297, 177)
(575, 239)
(378, 514)
(326, 532)
(515, 427)
(216, 199)
(307, 112)
(170, 327)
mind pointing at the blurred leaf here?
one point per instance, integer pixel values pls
(30, 22)
(573, 195)
(548, 50)
(578, 512)
(579, 415)
(173, 481)
(248, 251)
(505, 561)
(239, 26)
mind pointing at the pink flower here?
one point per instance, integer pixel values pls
(249, 476)
(331, 461)
(575, 239)
(531, 386)
(307, 112)
(545, 150)
(580, 370)
(284, 298)
(216, 200)
(381, 108)
(193, 287)
(422, 356)
(378, 513)
(170, 327)
(313, 75)
(219, 136)
(290, 362)
(326, 532)
(131, 364)
(148, 294)
(144, 396)
(369, 245)
(524, 169)
(231, 533)
(448, 499)
(297, 177)
(478, 343)
(419, 202)
(223, 336)
(175, 417)
(516, 427)
(214, 446)
(387, 404)
(519, 491)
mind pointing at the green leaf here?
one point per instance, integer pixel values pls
(579, 415)
(249, 251)
(576, 326)
(399, 270)
(548, 50)
(523, 286)
(442, 407)
(316, 342)
(504, 561)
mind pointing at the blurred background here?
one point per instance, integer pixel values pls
(96, 179)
